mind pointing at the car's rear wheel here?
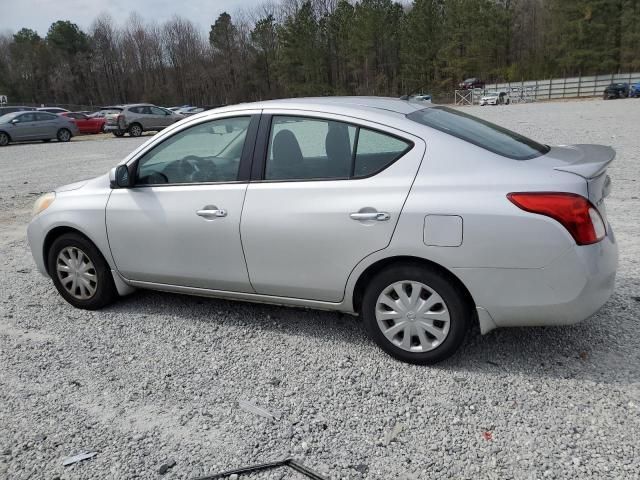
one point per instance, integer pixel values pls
(4, 139)
(135, 130)
(63, 135)
(80, 273)
(415, 314)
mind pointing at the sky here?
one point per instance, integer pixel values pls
(40, 14)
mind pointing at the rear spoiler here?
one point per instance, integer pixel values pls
(587, 161)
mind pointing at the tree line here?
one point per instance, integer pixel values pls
(319, 47)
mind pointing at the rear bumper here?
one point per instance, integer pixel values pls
(570, 289)
(112, 128)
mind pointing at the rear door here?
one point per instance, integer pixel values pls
(47, 125)
(327, 193)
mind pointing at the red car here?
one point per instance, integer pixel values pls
(470, 83)
(86, 124)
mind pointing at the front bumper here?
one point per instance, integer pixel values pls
(35, 237)
(112, 128)
(570, 289)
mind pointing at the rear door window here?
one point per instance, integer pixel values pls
(375, 151)
(479, 132)
(302, 148)
(43, 117)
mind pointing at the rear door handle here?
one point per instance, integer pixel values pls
(379, 216)
(211, 211)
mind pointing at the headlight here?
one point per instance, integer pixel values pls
(43, 202)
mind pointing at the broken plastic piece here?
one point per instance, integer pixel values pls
(251, 408)
(288, 462)
(78, 458)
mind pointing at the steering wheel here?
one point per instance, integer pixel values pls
(157, 177)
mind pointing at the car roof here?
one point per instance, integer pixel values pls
(389, 105)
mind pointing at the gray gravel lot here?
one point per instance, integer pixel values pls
(159, 376)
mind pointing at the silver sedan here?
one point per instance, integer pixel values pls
(25, 126)
(424, 221)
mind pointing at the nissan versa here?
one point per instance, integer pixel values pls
(422, 220)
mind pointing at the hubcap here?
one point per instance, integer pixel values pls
(77, 273)
(136, 131)
(64, 135)
(4, 139)
(413, 316)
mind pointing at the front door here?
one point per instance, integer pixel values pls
(26, 128)
(331, 194)
(161, 118)
(180, 223)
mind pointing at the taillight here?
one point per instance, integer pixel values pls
(574, 212)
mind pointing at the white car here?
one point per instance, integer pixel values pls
(422, 219)
(495, 98)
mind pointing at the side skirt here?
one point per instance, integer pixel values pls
(245, 297)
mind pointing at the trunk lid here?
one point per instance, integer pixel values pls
(589, 162)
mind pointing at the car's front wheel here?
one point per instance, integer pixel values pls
(415, 313)
(63, 135)
(119, 133)
(80, 273)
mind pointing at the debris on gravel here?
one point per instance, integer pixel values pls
(158, 377)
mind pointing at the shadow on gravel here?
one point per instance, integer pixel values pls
(602, 349)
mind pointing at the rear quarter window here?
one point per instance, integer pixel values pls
(479, 132)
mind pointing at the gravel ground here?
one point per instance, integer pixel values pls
(159, 376)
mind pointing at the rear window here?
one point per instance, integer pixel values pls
(479, 132)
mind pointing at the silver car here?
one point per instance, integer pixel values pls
(34, 125)
(138, 118)
(424, 221)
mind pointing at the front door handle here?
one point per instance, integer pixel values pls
(378, 216)
(211, 211)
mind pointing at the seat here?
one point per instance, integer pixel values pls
(287, 157)
(338, 148)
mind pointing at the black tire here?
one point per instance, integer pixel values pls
(4, 139)
(119, 133)
(105, 290)
(135, 130)
(459, 309)
(63, 135)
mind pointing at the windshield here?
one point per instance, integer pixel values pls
(492, 94)
(7, 117)
(479, 132)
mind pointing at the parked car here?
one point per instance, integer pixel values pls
(55, 110)
(22, 126)
(190, 111)
(495, 98)
(138, 118)
(85, 123)
(634, 90)
(5, 110)
(360, 205)
(470, 83)
(616, 90)
(420, 97)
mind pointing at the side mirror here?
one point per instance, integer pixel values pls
(15, 120)
(121, 177)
